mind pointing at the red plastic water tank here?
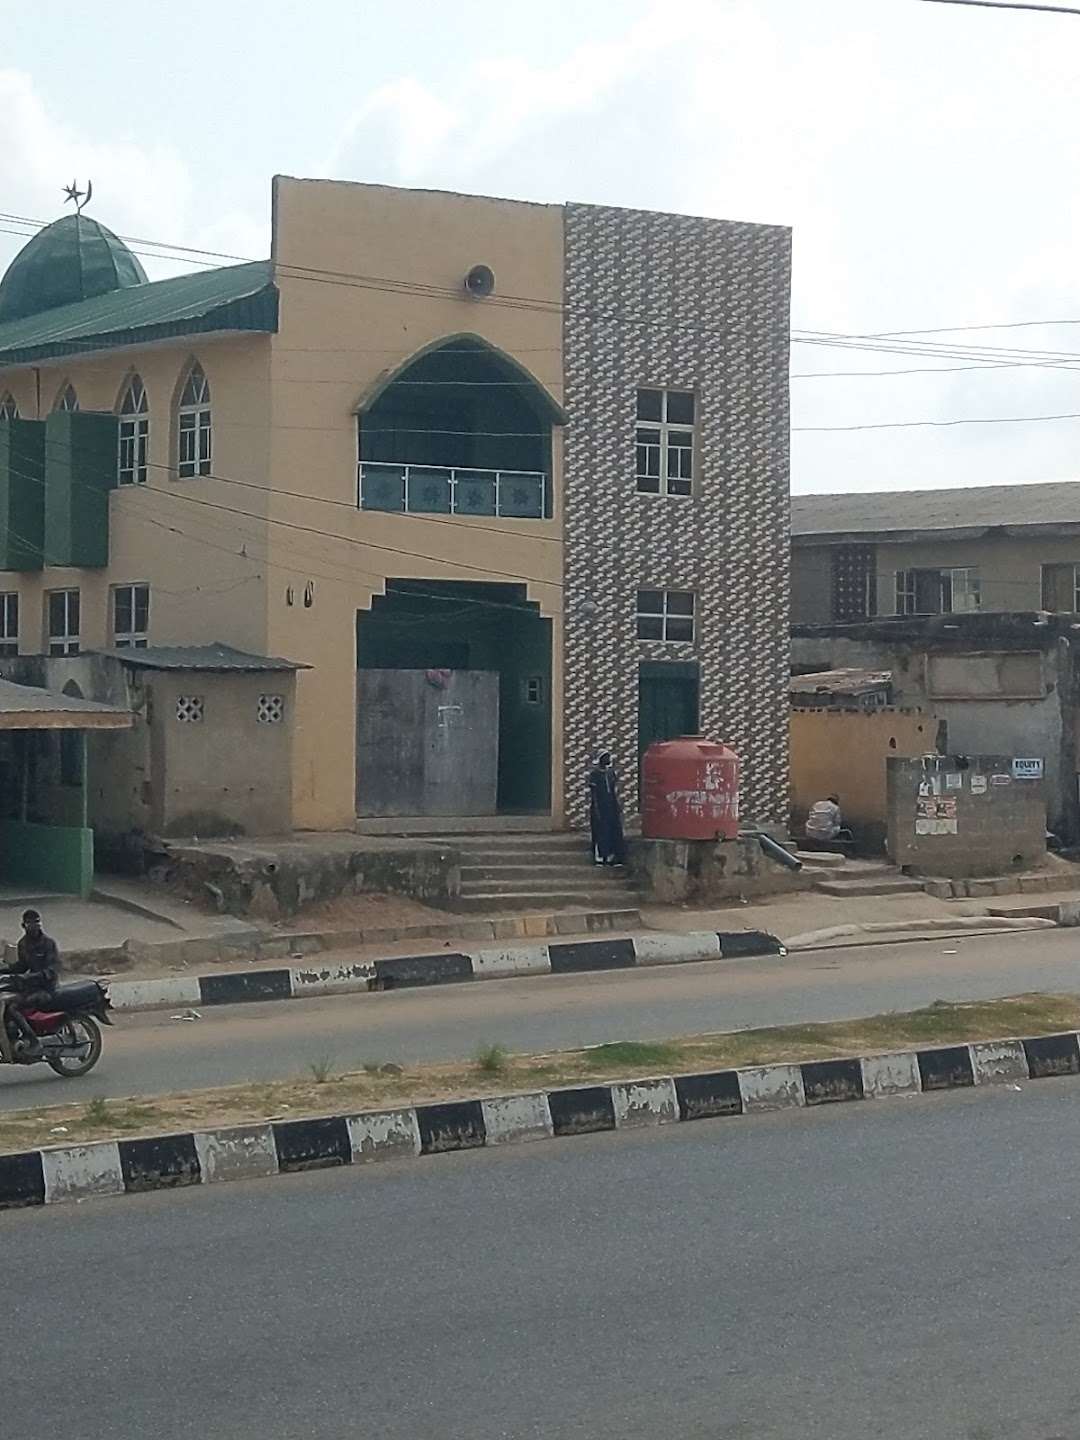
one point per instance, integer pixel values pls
(690, 790)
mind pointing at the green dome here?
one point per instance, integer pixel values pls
(72, 259)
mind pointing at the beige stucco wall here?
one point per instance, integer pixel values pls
(205, 565)
(1010, 571)
(338, 339)
(284, 419)
(230, 771)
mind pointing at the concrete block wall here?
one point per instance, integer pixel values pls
(964, 815)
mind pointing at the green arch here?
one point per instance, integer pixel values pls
(546, 404)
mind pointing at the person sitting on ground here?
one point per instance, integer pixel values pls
(824, 824)
(36, 973)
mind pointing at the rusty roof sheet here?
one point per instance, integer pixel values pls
(973, 510)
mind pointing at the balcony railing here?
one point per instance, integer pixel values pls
(453, 490)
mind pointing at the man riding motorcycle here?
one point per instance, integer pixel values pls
(36, 972)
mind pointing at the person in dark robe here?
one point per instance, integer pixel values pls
(605, 814)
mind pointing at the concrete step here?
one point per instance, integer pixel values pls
(529, 845)
(820, 859)
(541, 886)
(578, 856)
(553, 872)
(869, 885)
(486, 902)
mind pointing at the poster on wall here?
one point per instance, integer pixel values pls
(1027, 769)
(935, 815)
(954, 780)
(978, 784)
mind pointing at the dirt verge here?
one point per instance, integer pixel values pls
(383, 1084)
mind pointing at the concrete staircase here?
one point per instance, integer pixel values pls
(549, 871)
(840, 876)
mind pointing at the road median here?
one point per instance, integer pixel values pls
(382, 1111)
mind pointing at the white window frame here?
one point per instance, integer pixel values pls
(67, 640)
(9, 622)
(68, 399)
(194, 427)
(134, 636)
(9, 406)
(963, 582)
(666, 447)
(133, 435)
(905, 596)
(670, 620)
(963, 585)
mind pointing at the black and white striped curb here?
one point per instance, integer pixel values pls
(443, 968)
(245, 1152)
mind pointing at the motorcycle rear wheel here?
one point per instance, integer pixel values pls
(78, 1030)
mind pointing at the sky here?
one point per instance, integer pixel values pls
(923, 154)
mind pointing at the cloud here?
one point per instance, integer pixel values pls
(409, 133)
(143, 191)
(922, 158)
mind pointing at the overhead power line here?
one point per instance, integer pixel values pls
(1009, 5)
(194, 255)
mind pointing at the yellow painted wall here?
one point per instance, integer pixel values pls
(285, 454)
(205, 565)
(338, 340)
(843, 752)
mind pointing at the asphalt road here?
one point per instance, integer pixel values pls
(895, 1270)
(153, 1053)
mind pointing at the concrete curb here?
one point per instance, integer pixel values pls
(241, 941)
(276, 1147)
(445, 967)
(937, 927)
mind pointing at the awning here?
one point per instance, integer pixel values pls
(26, 707)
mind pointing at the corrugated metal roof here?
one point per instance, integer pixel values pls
(840, 682)
(234, 297)
(897, 513)
(27, 707)
(200, 657)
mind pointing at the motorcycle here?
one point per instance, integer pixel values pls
(68, 1031)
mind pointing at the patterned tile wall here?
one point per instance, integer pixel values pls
(670, 301)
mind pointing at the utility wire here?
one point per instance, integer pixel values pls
(1009, 5)
(553, 307)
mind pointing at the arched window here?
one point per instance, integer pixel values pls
(193, 426)
(134, 434)
(67, 399)
(460, 429)
(8, 409)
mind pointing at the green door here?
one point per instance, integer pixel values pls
(667, 701)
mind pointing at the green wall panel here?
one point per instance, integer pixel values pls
(80, 471)
(22, 494)
(47, 857)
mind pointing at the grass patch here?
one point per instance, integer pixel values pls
(493, 1071)
(643, 1053)
(491, 1059)
(321, 1069)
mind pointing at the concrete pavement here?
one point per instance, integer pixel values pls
(904, 1272)
(152, 1053)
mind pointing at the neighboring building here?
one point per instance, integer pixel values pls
(998, 684)
(508, 481)
(935, 552)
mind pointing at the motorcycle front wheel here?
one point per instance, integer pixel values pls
(84, 1033)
